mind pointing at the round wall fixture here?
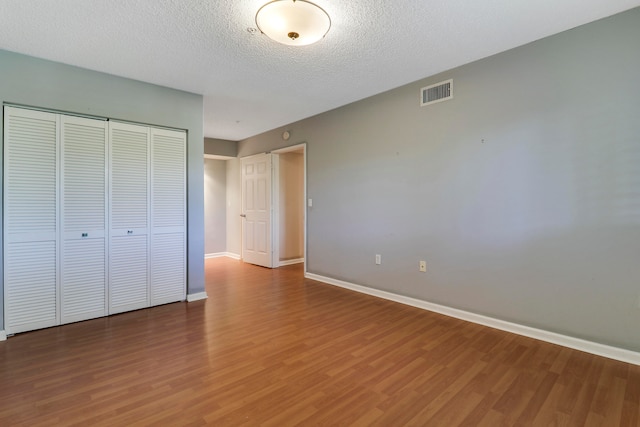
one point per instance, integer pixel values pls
(286, 135)
(293, 22)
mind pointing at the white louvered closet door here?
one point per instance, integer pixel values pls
(84, 219)
(30, 219)
(129, 190)
(168, 216)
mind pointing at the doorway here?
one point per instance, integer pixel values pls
(289, 201)
(284, 226)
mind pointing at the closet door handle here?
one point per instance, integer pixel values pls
(243, 215)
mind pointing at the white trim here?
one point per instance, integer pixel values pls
(218, 157)
(598, 349)
(54, 111)
(305, 210)
(221, 254)
(197, 297)
(290, 262)
(215, 255)
(3, 336)
(297, 147)
(275, 210)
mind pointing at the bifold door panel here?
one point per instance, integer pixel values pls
(94, 218)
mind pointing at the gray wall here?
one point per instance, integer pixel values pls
(30, 81)
(539, 224)
(215, 210)
(220, 147)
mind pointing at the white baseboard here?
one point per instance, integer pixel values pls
(222, 254)
(197, 297)
(603, 350)
(290, 262)
(3, 335)
(215, 255)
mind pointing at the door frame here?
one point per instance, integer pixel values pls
(275, 195)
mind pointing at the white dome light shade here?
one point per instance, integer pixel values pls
(293, 22)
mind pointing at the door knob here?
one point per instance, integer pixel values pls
(243, 215)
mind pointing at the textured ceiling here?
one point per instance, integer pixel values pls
(251, 84)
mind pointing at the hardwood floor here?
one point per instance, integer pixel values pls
(271, 348)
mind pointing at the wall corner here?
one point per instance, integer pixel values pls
(197, 296)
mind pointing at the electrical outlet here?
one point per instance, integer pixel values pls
(378, 259)
(423, 266)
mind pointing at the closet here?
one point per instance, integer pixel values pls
(94, 218)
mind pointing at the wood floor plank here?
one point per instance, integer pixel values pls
(271, 348)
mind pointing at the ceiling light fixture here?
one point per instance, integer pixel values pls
(293, 22)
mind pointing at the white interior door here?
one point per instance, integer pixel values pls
(30, 220)
(83, 288)
(168, 216)
(256, 210)
(129, 257)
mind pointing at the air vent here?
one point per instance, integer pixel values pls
(438, 92)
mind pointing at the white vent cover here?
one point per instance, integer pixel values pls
(438, 92)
